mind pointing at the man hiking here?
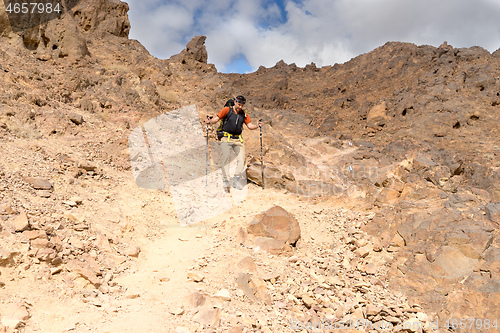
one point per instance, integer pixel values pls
(233, 118)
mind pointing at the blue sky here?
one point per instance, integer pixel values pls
(244, 34)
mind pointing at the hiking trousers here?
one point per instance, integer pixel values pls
(236, 147)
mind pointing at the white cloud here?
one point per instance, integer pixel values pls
(320, 31)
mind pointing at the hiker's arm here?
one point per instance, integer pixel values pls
(252, 126)
(212, 120)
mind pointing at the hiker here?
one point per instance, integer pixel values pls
(233, 118)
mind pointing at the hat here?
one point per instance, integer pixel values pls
(240, 99)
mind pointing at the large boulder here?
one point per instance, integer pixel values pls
(276, 223)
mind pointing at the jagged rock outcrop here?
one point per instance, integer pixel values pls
(62, 35)
(194, 56)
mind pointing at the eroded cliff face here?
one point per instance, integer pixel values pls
(408, 134)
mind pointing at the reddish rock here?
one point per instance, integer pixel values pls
(276, 223)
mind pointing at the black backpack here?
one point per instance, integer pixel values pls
(220, 132)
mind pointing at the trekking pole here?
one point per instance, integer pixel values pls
(206, 158)
(261, 155)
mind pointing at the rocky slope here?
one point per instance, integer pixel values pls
(389, 163)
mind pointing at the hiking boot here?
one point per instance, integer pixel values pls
(238, 182)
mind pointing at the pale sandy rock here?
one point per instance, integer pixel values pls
(370, 268)
(177, 311)
(8, 209)
(21, 222)
(75, 217)
(39, 243)
(10, 323)
(308, 301)
(372, 310)
(195, 277)
(195, 300)
(253, 287)
(14, 315)
(364, 251)
(132, 294)
(132, 251)
(39, 183)
(335, 281)
(247, 264)
(207, 315)
(84, 270)
(76, 242)
(7, 255)
(398, 241)
(223, 294)
(70, 203)
(46, 254)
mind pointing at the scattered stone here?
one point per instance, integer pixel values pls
(195, 277)
(84, 269)
(87, 166)
(70, 203)
(196, 299)
(8, 209)
(493, 212)
(39, 183)
(177, 311)
(372, 310)
(254, 288)
(75, 217)
(223, 294)
(364, 251)
(76, 118)
(132, 251)
(13, 316)
(44, 194)
(129, 294)
(55, 270)
(308, 301)
(247, 264)
(21, 222)
(207, 315)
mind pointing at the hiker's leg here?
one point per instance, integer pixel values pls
(226, 155)
(239, 150)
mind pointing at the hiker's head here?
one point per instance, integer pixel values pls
(239, 101)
